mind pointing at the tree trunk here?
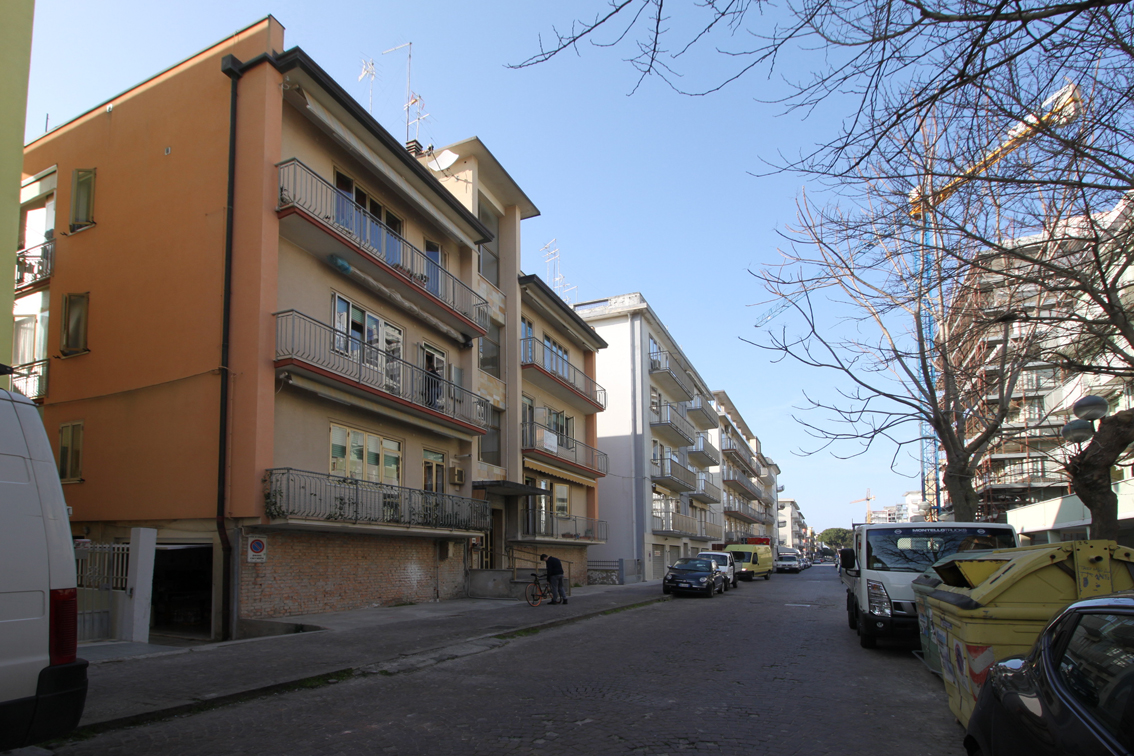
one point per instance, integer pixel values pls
(959, 483)
(1090, 472)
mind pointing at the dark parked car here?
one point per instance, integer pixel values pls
(691, 575)
(1073, 694)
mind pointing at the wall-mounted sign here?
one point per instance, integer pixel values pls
(257, 549)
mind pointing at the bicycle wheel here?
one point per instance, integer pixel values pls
(533, 594)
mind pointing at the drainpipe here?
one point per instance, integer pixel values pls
(231, 67)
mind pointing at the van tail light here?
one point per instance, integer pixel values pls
(64, 639)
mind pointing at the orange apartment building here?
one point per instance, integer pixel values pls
(257, 322)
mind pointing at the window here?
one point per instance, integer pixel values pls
(655, 401)
(434, 267)
(490, 350)
(358, 329)
(82, 198)
(1097, 669)
(490, 441)
(71, 451)
(562, 499)
(74, 337)
(527, 335)
(365, 456)
(433, 469)
(490, 251)
(555, 357)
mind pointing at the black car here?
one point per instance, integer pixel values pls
(691, 575)
(1074, 693)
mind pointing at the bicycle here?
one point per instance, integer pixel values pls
(537, 591)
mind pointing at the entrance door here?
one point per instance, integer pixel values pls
(495, 546)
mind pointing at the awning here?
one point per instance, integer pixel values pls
(507, 488)
(555, 472)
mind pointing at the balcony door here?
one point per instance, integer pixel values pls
(433, 471)
(433, 362)
(434, 264)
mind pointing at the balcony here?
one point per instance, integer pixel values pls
(740, 483)
(668, 370)
(739, 510)
(307, 346)
(674, 523)
(35, 264)
(539, 440)
(30, 379)
(330, 225)
(738, 536)
(708, 488)
(675, 476)
(702, 453)
(740, 453)
(310, 499)
(541, 526)
(557, 376)
(708, 528)
(702, 413)
(669, 425)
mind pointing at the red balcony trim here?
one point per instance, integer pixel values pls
(295, 210)
(560, 381)
(291, 361)
(557, 459)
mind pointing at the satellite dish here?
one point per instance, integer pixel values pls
(443, 161)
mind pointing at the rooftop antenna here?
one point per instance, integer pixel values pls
(415, 100)
(368, 70)
(555, 279)
(409, 93)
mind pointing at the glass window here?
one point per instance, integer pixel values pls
(365, 456)
(527, 333)
(82, 198)
(490, 441)
(74, 336)
(915, 549)
(562, 499)
(555, 357)
(490, 350)
(490, 251)
(70, 451)
(1097, 668)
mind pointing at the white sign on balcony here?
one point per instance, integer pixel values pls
(548, 441)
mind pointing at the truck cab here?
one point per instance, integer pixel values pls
(880, 567)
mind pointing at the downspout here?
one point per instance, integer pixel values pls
(231, 67)
(638, 463)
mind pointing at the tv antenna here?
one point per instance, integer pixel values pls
(368, 70)
(555, 279)
(411, 99)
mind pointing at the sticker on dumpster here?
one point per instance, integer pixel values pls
(959, 661)
(257, 550)
(946, 664)
(980, 659)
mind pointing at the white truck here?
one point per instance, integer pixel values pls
(886, 558)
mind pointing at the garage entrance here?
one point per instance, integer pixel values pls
(183, 591)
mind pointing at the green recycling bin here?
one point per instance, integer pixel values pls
(982, 607)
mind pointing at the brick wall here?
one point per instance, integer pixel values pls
(324, 572)
(576, 554)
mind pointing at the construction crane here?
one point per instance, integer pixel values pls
(1060, 109)
(869, 498)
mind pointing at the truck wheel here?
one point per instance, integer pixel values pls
(724, 586)
(852, 614)
(767, 575)
(734, 583)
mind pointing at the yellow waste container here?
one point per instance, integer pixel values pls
(993, 604)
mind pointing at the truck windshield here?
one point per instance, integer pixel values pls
(916, 549)
(740, 556)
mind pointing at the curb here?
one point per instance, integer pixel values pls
(397, 665)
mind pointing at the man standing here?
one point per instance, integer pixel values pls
(555, 578)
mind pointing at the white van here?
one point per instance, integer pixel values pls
(726, 563)
(887, 557)
(787, 560)
(43, 685)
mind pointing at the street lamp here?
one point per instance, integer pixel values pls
(1088, 409)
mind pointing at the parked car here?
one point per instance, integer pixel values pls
(725, 562)
(752, 560)
(787, 563)
(1074, 693)
(43, 685)
(694, 575)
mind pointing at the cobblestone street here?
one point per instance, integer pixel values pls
(769, 668)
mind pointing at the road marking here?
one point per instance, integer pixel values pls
(797, 604)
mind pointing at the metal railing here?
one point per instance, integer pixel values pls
(671, 467)
(100, 569)
(35, 264)
(544, 524)
(738, 508)
(550, 441)
(703, 406)
(322, 496)
(742, 452)
(670, 414)
(710, 528)
(302, 187)
(30, 379)
(738, 535)
(737, 477)
(708, 484)
(675, 522)
(533, 352)
(705, 446)
(667, 362)
(303, 338)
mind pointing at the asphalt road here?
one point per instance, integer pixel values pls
(768, 668)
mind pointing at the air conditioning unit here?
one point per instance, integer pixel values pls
(457, 476)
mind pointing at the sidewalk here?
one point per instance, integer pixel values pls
(134, 682)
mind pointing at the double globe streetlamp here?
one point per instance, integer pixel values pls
(1087, 410)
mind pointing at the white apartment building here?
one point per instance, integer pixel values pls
(792, 527)
(748, 502)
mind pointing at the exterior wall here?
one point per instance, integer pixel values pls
(305, 573)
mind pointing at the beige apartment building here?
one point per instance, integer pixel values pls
(750, 480)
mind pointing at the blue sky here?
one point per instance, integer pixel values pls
(652, 192)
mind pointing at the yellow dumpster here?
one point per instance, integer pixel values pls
(993, 604)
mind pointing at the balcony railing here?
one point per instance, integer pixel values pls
(300, 494)
(702, 412)
(30, 379)
(669, 471)
(741, 452)
(539, 523)
(703, 452)
(669, 370)
(306, 340)
(738, 481)
(711, 531)
(35, 264)
(737, 508)
(708, 487)
(734, 536)
(669, 420)
(303, 188)
(533, 352)
(675, 522)
(548, 441)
